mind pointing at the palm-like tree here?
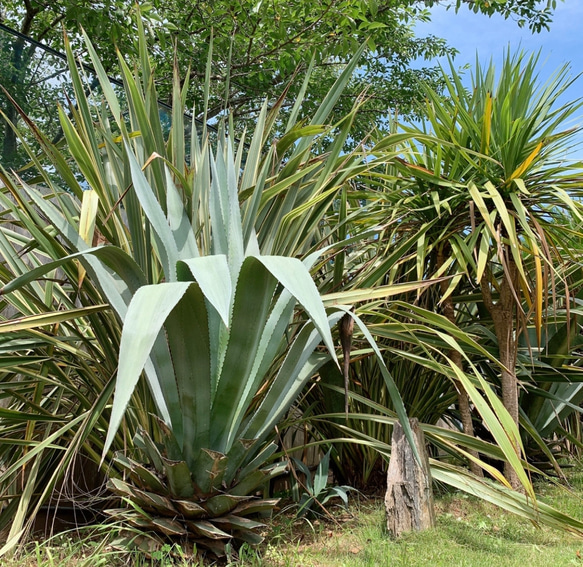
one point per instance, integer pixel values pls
(431, 204)
(510, 136)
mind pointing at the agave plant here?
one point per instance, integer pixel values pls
(225, 320)
(222, 362)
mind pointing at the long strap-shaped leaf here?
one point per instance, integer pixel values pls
(499, 422)
(167, 245)
(146, 314)
(391, 386)
(253, 299)
(508, 500)
(188, 336)
(333, 95)
(50, 318)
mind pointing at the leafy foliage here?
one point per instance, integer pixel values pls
(315, 492)
(259, 46)
(180, 238)
(206, 300)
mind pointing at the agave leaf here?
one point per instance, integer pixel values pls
(299, 365)
(252, 301)
(146, 315)
(321, 476)
(224, 210)
(134, 516)
(269, 348)
(213, 276)
(250, 482)
(177, 138)
(209, 470)
(144, 442)
(188, 338)
(154, 502)
(305, 470)
(259, 460)
(232, 521)
(251, 207)
(179, 222)
(207, 530)
(169, 527)
(167, 247)
(189, 509)
(148, 480)
(179, 480)
(248, 537)
(120, 487)
(222, 504)
(254, 157)
(292, 274)
(255, 507)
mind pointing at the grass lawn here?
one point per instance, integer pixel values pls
(469, 533)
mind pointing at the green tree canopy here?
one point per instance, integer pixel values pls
(260, 44)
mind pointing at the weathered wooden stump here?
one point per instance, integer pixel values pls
(409, 497)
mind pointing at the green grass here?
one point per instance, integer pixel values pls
(469, 533)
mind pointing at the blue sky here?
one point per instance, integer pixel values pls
(473, 33)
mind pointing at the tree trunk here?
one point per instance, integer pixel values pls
(19, 65)
(462, 396)
(503, 318)
(409, 497)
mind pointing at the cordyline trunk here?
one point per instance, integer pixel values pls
(503, 318)
(456, 357)
(409, 496)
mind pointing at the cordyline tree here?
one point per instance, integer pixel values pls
(258, 45)
(511, 133)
